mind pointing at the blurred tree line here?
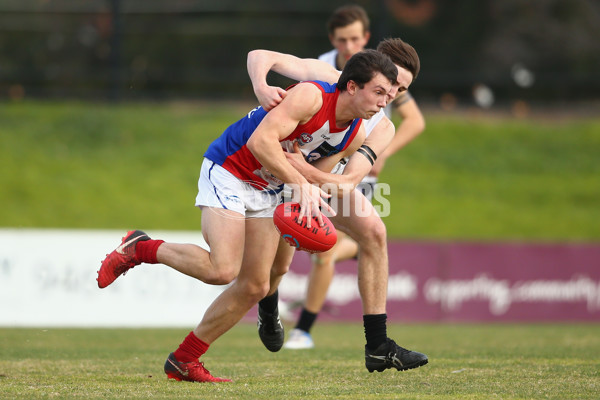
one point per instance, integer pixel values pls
(471, 50)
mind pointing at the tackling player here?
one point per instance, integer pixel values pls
(348, 30)
(360, 220)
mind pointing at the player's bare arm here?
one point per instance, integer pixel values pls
(413, 123)
(359, 163)
(362, 155)
(301, 104)
(260, 62)
(296, 158)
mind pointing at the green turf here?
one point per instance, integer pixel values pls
(86, 165)
(466, 362)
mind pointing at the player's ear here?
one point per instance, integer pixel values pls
(351, 87)
(367, 36)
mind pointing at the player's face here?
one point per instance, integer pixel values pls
(373, 96)
(350, 39)
(402, 83)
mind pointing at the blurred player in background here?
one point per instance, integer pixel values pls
(355, 214)
(348, 29)
(241, 179)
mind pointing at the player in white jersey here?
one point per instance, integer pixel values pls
(348, 29)
(357, 217)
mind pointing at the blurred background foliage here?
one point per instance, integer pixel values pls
(472, 51)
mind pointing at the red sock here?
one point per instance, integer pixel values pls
(190, 349)
(145, 250)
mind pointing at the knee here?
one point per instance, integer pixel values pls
(374, 236)
(222, 278)
(222, 274)
(280, 268)
(322, 260)
(283, 260)
(253, 292)
(379, 231)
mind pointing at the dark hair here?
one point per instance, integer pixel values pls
(363, 66)
(346, 15)
(402, 54)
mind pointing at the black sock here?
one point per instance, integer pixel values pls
(306, 321)
(375, 330)
(269, 303)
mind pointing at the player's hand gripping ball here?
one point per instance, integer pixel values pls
(314, 239)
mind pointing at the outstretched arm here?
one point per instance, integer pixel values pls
(260, 62)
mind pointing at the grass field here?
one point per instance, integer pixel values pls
(80, 165)
(466, 362)
(85, 165)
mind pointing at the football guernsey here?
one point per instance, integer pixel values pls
(319, 137)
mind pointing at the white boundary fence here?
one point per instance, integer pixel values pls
(48, 278)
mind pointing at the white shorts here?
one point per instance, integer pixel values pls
(219, 188)
(367, 186)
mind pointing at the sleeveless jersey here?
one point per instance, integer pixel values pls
(319, 137)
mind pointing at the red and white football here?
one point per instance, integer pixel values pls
(314, 239)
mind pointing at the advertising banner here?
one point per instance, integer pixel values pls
(431, 281)
(48, 278)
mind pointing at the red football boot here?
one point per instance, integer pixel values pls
(191, 371)
(121, 260)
